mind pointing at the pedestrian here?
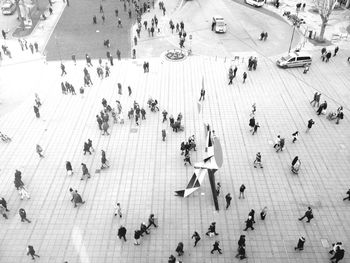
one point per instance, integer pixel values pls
(300, 245)
(151, 221)
(104, 161)
(143, 229)
(85, 171)
(252, 214)
(216, 247)
(241, 248)
(129, 13)
(277, 142)
(69, 168)
(255, 129)
(50, 10)
(22, 213)
(143, 114)
(163, 134)
(99, 122)
(230, 76)
(101, 8)
(3, 211)
(309, 125)
(36, 111)
(31, 47)
(257, 160)
(74, 60)
(118, 54)
(244, 76)
(212, 230)
(249, 223)
(253, 109)
(122, 232)
(338, 252)
(180, 249)
(241, 191)
(348, 197)
(202, 94)
(105, 127)
(340, 114)
(328, 56)
(314, 100)
(39, 150)
(118, 210)
(281, 145)
(196, 238)
(263, 213)
(336, 51)
(322, 108)
(164, 113)
(36, 46)
(295, 136)
(116, 12)
(86, 148)
(63, 70)
(31, 252)
(129, 90)
(252, 123)
(228, 199)
(218, 188)
(308, 214)
(119, 22)
(76, 198)
(137, 237)
(135, 41)
(306, 68)
(4, 204)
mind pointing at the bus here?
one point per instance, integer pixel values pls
(256, 3)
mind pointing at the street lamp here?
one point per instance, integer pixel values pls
(294, 24)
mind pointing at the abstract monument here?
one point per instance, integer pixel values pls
(211, 163)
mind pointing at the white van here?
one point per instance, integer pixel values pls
(294, 59)
(220, 26)
(256, 3)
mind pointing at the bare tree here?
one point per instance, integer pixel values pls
(325, 8)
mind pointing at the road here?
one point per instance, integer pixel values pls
(244, 25)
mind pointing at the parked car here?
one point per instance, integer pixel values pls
(8, 8)
(220, 26)
(294, 59)
(256, 3)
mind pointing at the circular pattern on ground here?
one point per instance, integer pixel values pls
(175, 54)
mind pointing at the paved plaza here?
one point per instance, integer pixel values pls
(145, 171)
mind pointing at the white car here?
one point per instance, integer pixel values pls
(295, 59)
(220, 26)
(256, 3)
(8, 8)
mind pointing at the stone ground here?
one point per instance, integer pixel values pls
(145, 171)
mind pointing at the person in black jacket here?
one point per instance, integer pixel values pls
(122, 232)
(211, 229)
(22, 213)
(69, 168)
(31, 251)
(308, 214)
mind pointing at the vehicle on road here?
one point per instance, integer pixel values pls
(220, 26)
(295, 59)
(8, 8)
(256, 3)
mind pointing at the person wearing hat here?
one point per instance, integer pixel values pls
(300, 244)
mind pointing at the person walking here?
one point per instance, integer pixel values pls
(196, 238)
(164, 113)
(309, 125)
(104, 161)
(300, 245)
(86, 148)
(85, 171)
(118, 210)
(336, 51)
(202, 94)
(295, 136)
(308, 214)
(3, 211)
(241, 191)
(328, 56)
(255, 128)
(252, 123)
(31, 252)
(241, 248)
(122, 232)
(129, 90)
(257, 160)
(151, 221)
(69, 168)
(36, 111)
(228, 199)
(137, 237)
(76, 198)
(63, 70)
(212, 230)
(105, 127)
(348, 197)
(4, 204)
(218, 188)
(313, 102)
(180, 249)
(263, 213)
(39, 150)
(216, 247)
(277, 142)
(244, 77)
(22, 213)
(163, 134)
(249, 223)
(99, 122)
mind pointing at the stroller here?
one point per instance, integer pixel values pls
(331, 116)
(5, 138)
